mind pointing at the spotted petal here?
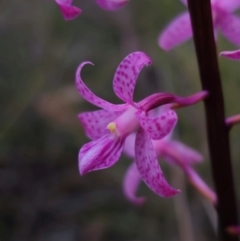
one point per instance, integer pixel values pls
(229, 27)
(95, 122)
(148, 167)
(228, 5)
(126, 75)
(177, 32)
(131, 183)
(234, 55)
(158, 127)
(88, 95)
(69, 12)
(111, 5)
(100, 154)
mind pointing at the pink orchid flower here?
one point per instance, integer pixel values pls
(234, 55)
(174, 152)
(109, 127)
(68, 11)
(179, 30)
(111, 5)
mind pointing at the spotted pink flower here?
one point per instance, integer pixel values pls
(68, 11)
(234, 55)
(179, 30)
(174, 152)
(111, 5)
(109, 127)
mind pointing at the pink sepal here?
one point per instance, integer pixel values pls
(68, 11)
(177, 32)
(88, 95)
(227, 5)
(111, 5)
(131, 183)
(188, 155)
(100, 154)
(149, 169)
(190, 100)
(184, 2)
(200, 185)
(229, 26)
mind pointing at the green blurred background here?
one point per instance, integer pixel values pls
(42, 195)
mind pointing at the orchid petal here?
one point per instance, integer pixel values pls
(100, 154)
(229, 26)
(126, 75)
(69, 12)
(184, 2)
(190, 155)
(235, 55)
(64, 2)
(148, 167)
(228, 5)
(177, 32)
(131, 182)
(111, 5)
(176, 152)
(129, 145)
(158, 127)
(200, 185)
(88, 95)
(95, 122)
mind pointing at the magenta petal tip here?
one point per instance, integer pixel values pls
(111, 5)
(234, 55)
(139, 201)
(131, 183)
(69, 12)
(83, 171)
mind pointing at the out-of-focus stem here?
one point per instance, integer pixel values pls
(181, 203)
(217, 130)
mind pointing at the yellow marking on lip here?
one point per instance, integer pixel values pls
(112, 127)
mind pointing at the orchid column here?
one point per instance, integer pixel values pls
(217, 130)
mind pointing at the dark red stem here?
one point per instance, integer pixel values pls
(217, 130)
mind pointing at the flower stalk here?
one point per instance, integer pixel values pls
(217, 130)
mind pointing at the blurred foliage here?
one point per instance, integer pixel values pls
(43, 197)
